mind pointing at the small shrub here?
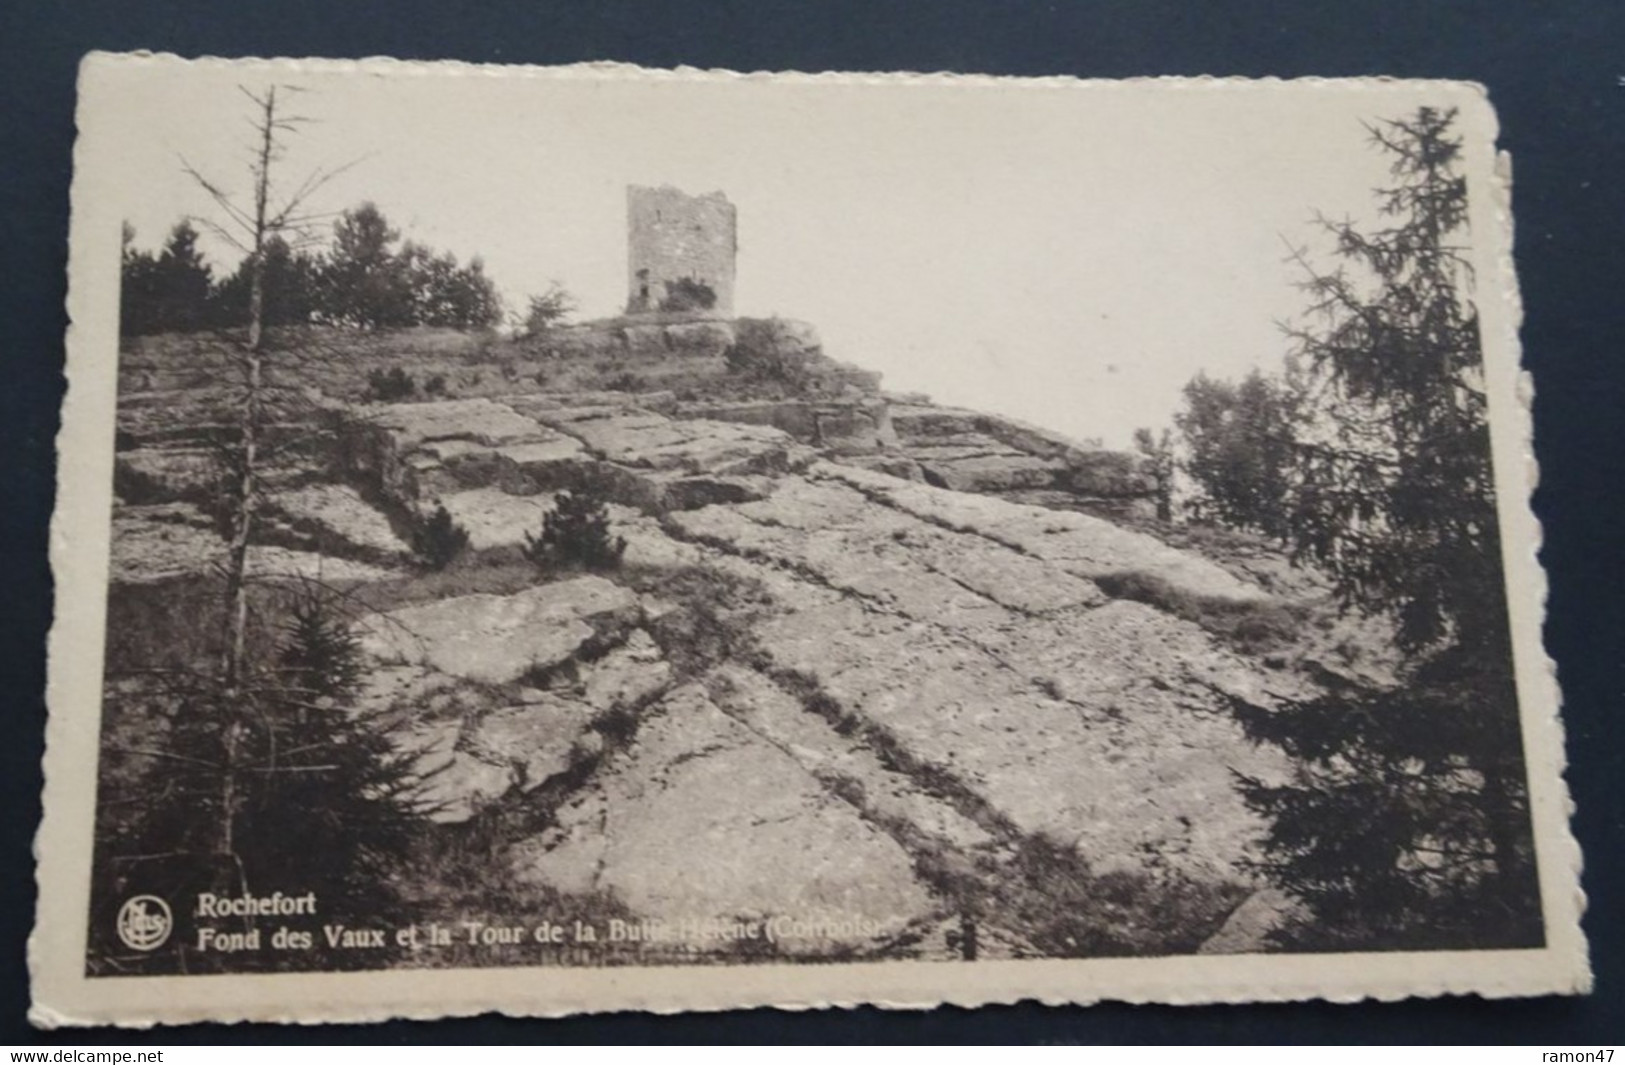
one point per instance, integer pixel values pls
(436, 385)
(549, 309)
(626, 382)
(774, 353)
(439, 540)
(576, 532)
(390, 386)
(540, 377)
(687, 294)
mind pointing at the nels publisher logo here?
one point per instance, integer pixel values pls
(144, 922)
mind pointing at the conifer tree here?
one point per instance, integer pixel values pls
(1406, 821)
(576, 532)
(439, 539)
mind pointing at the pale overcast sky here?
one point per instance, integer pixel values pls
(1067, 255)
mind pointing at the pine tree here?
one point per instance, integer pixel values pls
(332, 803)
(1406, 822)
(576, 533)
(321, 656)
(363, 281)
(439, 539)
(167, 292)
(291, 287)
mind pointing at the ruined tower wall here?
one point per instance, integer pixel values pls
(671, 236)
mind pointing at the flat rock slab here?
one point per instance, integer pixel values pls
(175, 540)
(846, 540)
(338, 512)
(473, 743)
(499, 638)
(703, 819)
(644, 439)
(155, 475)
(846, 764)
(495, 518)
(694, 447)
(482, 421)
(533, 740)
(1106, 736)
(988, 472)
(1077, 543)
(922, 422)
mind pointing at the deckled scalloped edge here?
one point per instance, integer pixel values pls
(1560, 840)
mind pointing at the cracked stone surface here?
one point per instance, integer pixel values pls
(702, 818)
(646, 440)
(1132, 770)
(494, 518)
(845, 763)
(935, 676)
(176, 540)
(1076, 543)
(497, 638)
(473, 743)
(479, 421)
(1101, 723)
(889, 555)
(338, 511)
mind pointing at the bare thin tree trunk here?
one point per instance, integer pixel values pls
(247, 484)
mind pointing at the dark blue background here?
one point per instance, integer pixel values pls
(1555, 74)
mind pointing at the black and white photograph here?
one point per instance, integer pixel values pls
(695, 540)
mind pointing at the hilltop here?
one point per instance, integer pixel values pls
(864, 654)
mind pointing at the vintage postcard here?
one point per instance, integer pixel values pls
(585, 539)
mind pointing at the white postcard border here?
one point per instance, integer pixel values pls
(80, 541)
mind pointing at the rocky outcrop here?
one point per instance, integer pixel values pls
(703, 819)
(969, 451)
(647, 336)
(859, 425)
(413, 451)
(475, 741)
(498, 639)
(497, 466)
(165, 541)
(649, 441)
(866, 663)
(1099, 723)
(1077, 543)
(336, 520)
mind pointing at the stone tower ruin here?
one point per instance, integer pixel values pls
(679, 248)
